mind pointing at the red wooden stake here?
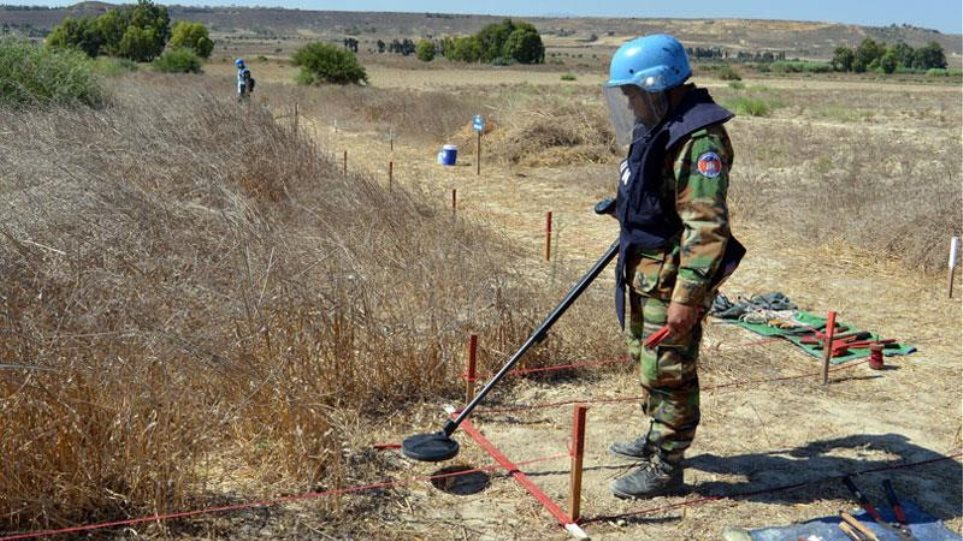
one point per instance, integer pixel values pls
(454, 201)
(344, 166)
(470, 373)
(828, 342)
(548, 236)
(391, 174)
(578, 451)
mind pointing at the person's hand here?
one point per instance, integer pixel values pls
(682, 317)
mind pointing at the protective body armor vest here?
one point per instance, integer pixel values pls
(242, 76)
(646, 220)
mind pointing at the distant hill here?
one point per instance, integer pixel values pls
(802, 39)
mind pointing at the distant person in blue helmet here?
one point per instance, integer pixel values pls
(674, 236)
(245, 83)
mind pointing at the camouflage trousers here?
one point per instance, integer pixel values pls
(668, 375)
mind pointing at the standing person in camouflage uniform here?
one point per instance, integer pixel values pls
(674, 232)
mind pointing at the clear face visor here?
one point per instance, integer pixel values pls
(631, 108)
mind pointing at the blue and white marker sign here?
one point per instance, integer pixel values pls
(478, 123)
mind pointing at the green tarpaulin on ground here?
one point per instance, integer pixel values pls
(808, 323)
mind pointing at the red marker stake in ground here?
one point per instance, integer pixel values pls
(578, 454)
(828, 355)
(472, 362)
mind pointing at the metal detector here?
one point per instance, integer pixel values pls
(438, 446)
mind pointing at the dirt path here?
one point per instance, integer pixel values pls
(751, 437)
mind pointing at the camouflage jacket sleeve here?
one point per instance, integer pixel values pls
(701, 170)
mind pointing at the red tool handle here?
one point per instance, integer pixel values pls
(894, 502)
(853, 344)
(863, 500)
(657, 337)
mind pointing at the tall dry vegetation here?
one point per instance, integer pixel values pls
(411, 115)
(535, 129)
(190, 288)
(891, 193)
(525, 126)
(556, 132)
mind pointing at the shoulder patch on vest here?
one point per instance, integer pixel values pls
(710, 165)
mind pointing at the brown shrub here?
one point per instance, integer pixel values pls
(551, 132)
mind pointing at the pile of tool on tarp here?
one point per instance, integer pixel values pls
(774, 315)
(904, 521)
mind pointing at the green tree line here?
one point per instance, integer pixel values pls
(138, 32)
(871, 55)
(498, 43)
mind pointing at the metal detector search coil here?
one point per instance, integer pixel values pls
(434, 447)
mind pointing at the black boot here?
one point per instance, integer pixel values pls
(638, 449)
(655, 478)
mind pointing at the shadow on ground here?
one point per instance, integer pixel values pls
(813, 473)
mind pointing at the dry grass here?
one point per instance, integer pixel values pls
(836, 167)
(418, 116)
(557, 132)
(528, 128)
(192, 288)
(873, 192)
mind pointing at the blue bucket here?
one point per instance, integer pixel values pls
(448, 155)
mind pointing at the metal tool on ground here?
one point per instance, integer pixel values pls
(901, 531)
(897, 507)
(439, 446)
(842, 348)
(816, 338)
(840, 344)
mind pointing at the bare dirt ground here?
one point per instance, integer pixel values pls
(752, 436)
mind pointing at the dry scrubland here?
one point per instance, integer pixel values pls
(198, 308)
(872, 165)
(185, 300)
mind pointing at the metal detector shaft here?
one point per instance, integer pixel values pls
(538, 335)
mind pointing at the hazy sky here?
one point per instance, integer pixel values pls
(943, 15)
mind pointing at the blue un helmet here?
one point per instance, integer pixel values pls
(653, 63)
(640, 73)
(239, 63)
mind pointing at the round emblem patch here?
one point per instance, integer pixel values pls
(710, 166)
